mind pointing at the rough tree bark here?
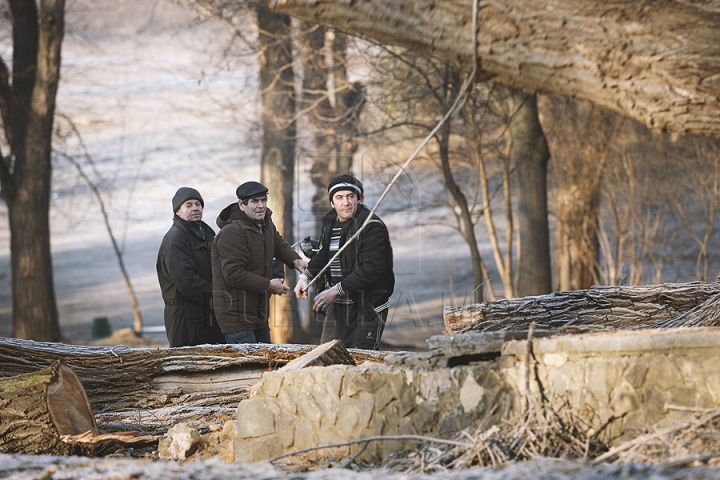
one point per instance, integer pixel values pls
(27, 105)
(657, 62)
(179, 383)
(36, 409)
(621, 307)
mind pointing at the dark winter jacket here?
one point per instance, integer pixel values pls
(242, 266)
(185, 275)
(367, 264)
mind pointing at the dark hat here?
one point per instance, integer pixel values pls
(183, 195)
(345, 182)
(250, 189)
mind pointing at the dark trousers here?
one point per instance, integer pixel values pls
(259, 335)
(355, 327)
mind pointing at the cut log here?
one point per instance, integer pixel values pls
(706, 314)
(150, 384)
(36, 409)
(330, 353)
(606, 307)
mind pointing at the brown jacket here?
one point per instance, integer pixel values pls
(242, 264)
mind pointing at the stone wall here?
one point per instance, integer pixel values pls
(294, 410)
(616, 384)
(621, 383)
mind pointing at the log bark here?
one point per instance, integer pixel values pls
(37, 408)
(154, 385)
(655, 61)
(606, 307)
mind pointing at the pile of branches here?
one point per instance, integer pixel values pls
(535, 434)
(540, 434)
(689, 442)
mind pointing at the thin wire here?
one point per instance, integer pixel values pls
(456, 106)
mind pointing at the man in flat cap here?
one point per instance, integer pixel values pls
(361, 279)
(185, 274)
(242, 265)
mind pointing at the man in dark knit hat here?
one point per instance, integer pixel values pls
(361, 280)
(185, 274)
(242, 265)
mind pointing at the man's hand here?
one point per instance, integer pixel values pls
(324, 299)
(300, 265)
(300, 291)
(277, 287)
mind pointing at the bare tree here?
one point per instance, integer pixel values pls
(63, 132)
(530, 155)
(27, 106)
(332, 106)
(582, 138)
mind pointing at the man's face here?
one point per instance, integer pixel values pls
(190, 211)
(255, 208)
(345, 203)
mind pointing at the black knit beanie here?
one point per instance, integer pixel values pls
(183, 195)
(345, 182)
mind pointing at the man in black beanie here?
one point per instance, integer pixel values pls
(361, 280)
(242, 265)
(185, 274)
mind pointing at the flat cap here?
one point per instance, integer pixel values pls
(250, 189)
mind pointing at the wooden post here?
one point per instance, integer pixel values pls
(37, 408)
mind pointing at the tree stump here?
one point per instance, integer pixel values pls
(36, 409)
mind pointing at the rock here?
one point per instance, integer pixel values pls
(179, 443)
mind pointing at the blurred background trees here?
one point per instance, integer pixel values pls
(547, 193)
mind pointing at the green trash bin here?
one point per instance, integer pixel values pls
(101, 327)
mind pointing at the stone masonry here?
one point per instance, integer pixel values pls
(294, 410)
(619, 384)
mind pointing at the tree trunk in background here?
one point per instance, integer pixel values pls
(657, 63)
(531, 155)
(27, 105)
(332, 105)
(316, 106)
(581, 153)
(278, 149)
(578, 246)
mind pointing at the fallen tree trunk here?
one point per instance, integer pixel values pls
(707, 314)
(156, 385)
(37, 408)
(656, 62)
(607, 307)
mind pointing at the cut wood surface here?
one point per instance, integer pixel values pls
(330, 353)
(123, 381)
(37, 408)
(603, 307)
(656, 62)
